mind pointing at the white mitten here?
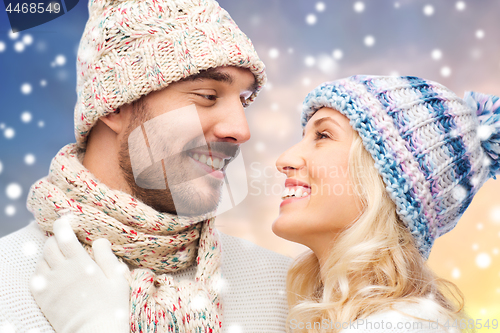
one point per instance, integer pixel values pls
(77, 294)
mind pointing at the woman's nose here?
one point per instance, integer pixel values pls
(291, 160)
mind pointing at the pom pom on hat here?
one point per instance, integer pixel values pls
(488, 112)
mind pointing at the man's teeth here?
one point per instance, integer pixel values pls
(213, 162)
(298, 192)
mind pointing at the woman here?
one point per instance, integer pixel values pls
(386, 165)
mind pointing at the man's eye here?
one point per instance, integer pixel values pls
(209, 97)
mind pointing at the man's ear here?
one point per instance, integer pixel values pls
(118, 120)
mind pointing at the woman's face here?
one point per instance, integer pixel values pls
(318, 201)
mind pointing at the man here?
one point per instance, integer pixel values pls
(162, 87)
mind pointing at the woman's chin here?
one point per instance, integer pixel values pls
(284, 228)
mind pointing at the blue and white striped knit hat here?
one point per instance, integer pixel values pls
(433, 150)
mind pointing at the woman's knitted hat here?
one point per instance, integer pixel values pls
(132, 47)
(433, 150)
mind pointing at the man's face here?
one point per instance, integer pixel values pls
(217, 97)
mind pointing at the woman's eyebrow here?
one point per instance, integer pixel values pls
(319, 121)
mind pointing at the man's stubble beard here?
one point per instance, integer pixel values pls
(189, 201)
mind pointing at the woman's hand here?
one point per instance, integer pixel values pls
(76, 293)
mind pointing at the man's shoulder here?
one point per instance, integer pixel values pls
(19, 252)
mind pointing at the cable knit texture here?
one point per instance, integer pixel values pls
(130, 48)
(433, 150)
(158, 243)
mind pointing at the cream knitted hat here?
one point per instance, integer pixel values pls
(130, 48)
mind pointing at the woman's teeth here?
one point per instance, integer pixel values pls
(290, 192)
(213, 162)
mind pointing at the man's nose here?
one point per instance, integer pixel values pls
(232, 125)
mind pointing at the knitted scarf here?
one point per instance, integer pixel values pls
(157, 243)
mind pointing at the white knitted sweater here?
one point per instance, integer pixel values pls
(254, 292)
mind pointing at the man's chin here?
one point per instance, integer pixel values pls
(181, 203)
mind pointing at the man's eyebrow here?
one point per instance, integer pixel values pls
(211, 74)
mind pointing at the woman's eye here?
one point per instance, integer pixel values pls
(321, 135)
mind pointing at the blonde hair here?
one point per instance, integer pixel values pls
(372, 265)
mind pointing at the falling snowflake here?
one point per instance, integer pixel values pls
(290, 50)
(369, 41)
(459, 193)
(121, 314)
(60, 60)
(26, 117)
(480, 226)
(475, 247)
(445, 71)
(19, 47)
(38, 283)
(495, 214)
(495, 251)
(30, 249)
(436, 54)
(460, 5)
(397, 5)
(43, 83)
(326, 64)
(484, 132)
(320, 7)
(26, 88)
(29, 159)
(1, 167)
(9, 133)
(428, 10)
(306, 81)
(199, 302)
(221, 285)
(274, 53)
(359, 7)
(13, 191)
(455, 273)
(483, 260)
(2, 46)
(27, 39)
(235, 328)
(13, 35)
(309, 61)
(90, 270)
(275, 107)
(311, 19)
(41, 123)
(337, 54)
(10, 210)
(479, 34)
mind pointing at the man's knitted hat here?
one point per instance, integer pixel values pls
(433, 150)
(132, 47)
